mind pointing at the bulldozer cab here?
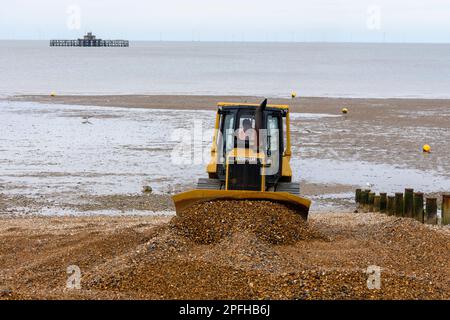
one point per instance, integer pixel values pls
(249, 146)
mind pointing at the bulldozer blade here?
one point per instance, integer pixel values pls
(185, 200)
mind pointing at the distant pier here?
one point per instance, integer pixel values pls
(89, 40)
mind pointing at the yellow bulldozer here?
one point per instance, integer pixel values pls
(250, 158)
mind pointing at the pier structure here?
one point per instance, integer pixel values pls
(89, 40)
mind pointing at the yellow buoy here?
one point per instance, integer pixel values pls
(293, 94)
(52, 94)
(426, 148)
(344, 110)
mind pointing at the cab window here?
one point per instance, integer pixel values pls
(273, 133)
(228, 132)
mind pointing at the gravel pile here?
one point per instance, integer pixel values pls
(154, 258)
(212, 221)
(244, 266)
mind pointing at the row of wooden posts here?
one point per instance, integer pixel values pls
(408, 204)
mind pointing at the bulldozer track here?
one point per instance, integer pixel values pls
(209, 184)
(214, 184)
(291, 187)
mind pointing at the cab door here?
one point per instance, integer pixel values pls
(274, 146)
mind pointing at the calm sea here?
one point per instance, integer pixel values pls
(270, 69)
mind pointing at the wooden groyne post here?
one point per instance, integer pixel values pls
(409, 203)
(371, 201)
(376, 203)
(431, 210)
(358, 197)
(362, 200)
(418, 206)
(383, 202)
(391, 205)
(445, 209)
(365, 200)
(399, 204)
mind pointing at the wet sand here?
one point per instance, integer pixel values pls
(133, 257)
(359, 107)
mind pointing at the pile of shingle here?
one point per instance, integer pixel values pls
(210, 222)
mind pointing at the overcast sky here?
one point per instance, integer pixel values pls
(229, 20)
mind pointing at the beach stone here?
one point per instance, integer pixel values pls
(147, 189)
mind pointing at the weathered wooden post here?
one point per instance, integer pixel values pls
(399, 204)
(376, 203)
(431, 210)
(391, 205)
(383, 202)
(409, 203)
(358, 197)
(418, 206)
(371, 201)
(363, 200)
(445, 209)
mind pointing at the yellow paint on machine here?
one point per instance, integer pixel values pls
(187, 199)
